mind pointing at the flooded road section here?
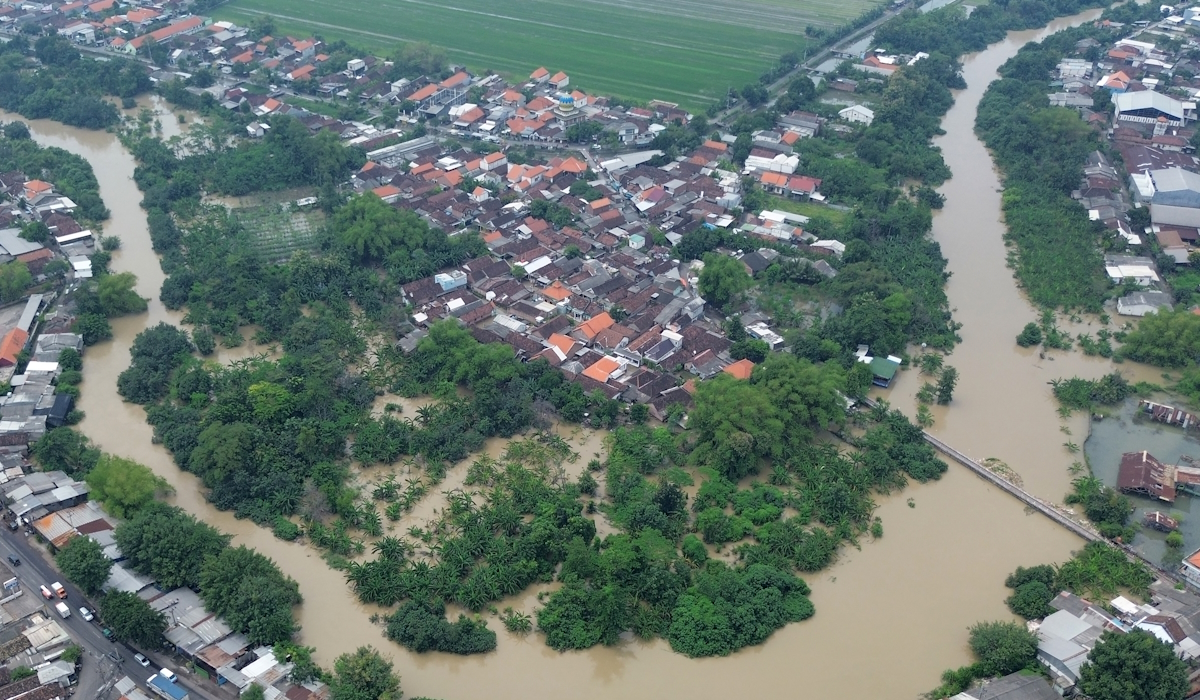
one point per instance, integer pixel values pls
(1003, 407)
(891, 615)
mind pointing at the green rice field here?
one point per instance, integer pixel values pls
(685, 51)
(279, 231)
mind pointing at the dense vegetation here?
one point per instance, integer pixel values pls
(63, 85)
(1133, 666)
(1098, 570)
(1165, 339)
(70, 174)
(1000, 648)
(1041, 150)
(1078, 394)
(240, 585)
(1108, 510)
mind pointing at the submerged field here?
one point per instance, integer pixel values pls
(686, 51)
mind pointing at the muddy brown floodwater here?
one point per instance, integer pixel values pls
(890, 616)
(1003, 406)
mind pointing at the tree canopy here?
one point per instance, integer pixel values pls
(1133, 666)
(131, 619)
(122, 485)
(364, 675)
(82, 560)
(722, 280)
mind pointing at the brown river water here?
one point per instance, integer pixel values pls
(891, 615)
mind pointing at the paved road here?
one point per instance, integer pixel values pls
(108, 660)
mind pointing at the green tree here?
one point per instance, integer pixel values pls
(131, 619)
(166, 543)
(1165, 339)
(1003, 647)
(118, 296)
(371, 229)
(155, 354)
(35, 231)
(253, 692)
(1031, 335)
(1133, 666)
(945, 385)
(1031, 600)
(722, 280)
(66, 450)
(14, 279)
(251, 593)
(82, 561)
(364, 675)
(123, 486)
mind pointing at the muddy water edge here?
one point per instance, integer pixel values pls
(901, 605)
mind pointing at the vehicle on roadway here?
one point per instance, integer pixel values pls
(14, 560)
(59, 590)
(63, 611)
(141, 660)
(46, 593)
(168, 674)
(86, 614)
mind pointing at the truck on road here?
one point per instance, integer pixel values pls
(165, 688)
(63, 611)
(59, 590)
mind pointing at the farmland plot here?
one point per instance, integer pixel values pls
(686, 51)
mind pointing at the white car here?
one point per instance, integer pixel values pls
(86, 614)
(141, 659)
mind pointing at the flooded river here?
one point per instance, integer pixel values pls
(1003, 407)
(890, 616)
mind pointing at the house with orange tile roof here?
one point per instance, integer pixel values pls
(470, 117)
(36, 189)
(740, 369)
(301, 73)
(494, 161)
(512, 98)
(571, 165)
(141, 17)
(540, 75)
(602, 369)
(599, 205)
(560, 80)
(716, 146)
(11, 346)
(581, 100)
(388, 193)
(244, 57)
(595, 324)
(190, 25)
(565, 344)
(556, 292)
(480, 194)
(267, 107)
(101, 6)
(524, 128)
(879, 65)
(540, 103)
(459, 79)
(424, 93)
(422, 168)
(772, 181)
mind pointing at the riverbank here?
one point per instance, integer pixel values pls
(1003, 389)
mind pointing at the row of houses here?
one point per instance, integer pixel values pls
(57, 508)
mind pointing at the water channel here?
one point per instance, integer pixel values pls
(890, 615)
